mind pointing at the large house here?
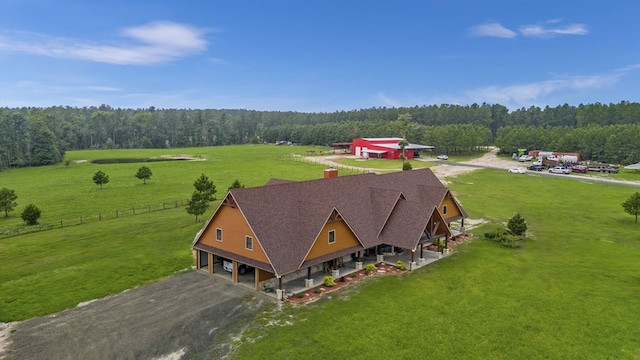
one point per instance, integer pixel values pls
(385, 148)
(287, 229)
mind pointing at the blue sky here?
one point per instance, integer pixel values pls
(317, 56)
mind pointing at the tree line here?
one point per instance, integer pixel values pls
(40, 136)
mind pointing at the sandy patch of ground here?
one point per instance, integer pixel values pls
(5, 331)
(183, 157)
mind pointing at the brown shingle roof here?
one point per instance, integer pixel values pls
(286, 217)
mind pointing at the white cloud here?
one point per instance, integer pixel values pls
(387, 101)
(542, 31)
(492, 29)
(153, 43)
(515, 96)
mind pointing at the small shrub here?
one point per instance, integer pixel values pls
(517, 225)
(400, 265)
(353, 276)
(505, 238)
(31, 214)
(407, 166)
(329, 281)
(369, 268)
(300, 295)
(316, 291)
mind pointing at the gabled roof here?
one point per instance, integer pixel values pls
(286, 216)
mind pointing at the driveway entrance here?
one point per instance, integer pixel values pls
(191, 315)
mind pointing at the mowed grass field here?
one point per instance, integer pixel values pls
(48, 271)
(571, 292)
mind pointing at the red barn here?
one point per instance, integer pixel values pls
(384, 148)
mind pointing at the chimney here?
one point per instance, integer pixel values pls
(330, 172)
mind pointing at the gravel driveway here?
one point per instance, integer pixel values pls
(191, 316)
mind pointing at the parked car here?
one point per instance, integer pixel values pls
(560, 170)
(443, 157)
(227, 265)
(524, 158)
(517, 171)
(579, 168)
(536, 167)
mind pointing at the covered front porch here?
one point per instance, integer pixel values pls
(315, 276)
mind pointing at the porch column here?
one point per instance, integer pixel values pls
(412, 264)
(234, 272)
(308, 282)
(462, 226)
(210, 263)
(280, 290)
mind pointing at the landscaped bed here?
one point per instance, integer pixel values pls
(316, 292)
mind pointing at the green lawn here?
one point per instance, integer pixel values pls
(570, 293)
(68, 192)
(48, 271)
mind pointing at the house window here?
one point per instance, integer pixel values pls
(248, 242)
(444, 210)
(332, 236)
(218, 234)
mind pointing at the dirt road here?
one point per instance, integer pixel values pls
(188, 316)
(489, 160)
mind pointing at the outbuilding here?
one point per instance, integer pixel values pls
(385, 148)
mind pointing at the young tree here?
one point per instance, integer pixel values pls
(403, 144)
(197, 205)
(7, 200)
(632, 205)
(144, 173)
(202, 196)
(206, 187)
(100, 178)
(31, 214)
(236, 185)
(517, 225)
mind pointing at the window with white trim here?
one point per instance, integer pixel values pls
(248, 242)
(332, 236)
(218, 234)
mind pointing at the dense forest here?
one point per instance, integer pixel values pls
(40, 136)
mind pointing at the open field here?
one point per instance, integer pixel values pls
(68, 192)
(570, 293)
(48, 271)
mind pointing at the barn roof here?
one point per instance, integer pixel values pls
(286, 217)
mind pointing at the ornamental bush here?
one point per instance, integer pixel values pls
(369, 268)
(329, 281)
(400, 265)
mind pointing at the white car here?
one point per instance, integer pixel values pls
(560, 170)
(443, 157)
(517, 171)
(524, 158)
